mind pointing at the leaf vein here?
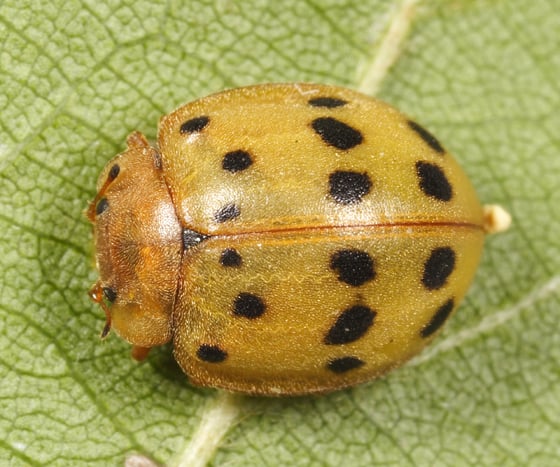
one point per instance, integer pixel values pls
(390, 48)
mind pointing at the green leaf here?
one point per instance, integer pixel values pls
(77, 77)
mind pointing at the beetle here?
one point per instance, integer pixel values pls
(288, 238)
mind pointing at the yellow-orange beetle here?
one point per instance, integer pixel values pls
(288, 238)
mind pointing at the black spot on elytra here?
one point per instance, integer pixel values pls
(336, 133)
(211, 353)
(354, 267)
(230, 258)
(110, 294)
(194, 124)
(102, 206)
(344, 364)
(351, 325)
(328, 102)
(349, 187)
(192, 238)
(438, 267)
(428, 138)
(248, 305)
(440, 316)
(236, 161)
(432, 181)
(226, 213)
(114, 172)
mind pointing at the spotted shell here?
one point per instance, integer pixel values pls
(288, 238)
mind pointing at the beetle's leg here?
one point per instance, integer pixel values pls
(139, 353)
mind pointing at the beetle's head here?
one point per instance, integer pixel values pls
(138, 246)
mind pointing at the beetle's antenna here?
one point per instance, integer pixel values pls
(96, 294)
